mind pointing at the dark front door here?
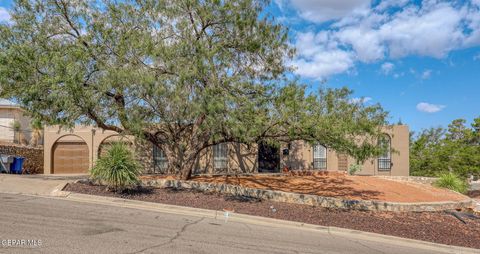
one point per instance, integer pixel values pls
(268, 158)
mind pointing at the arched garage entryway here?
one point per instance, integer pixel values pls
(107, 142)
(70, 155)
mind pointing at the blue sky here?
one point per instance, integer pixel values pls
(419, 59)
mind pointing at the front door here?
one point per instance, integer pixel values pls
(268, 158)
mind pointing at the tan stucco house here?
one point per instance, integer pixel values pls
(11, 115)
(75, 151)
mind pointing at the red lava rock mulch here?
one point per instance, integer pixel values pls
(436, 227)
(338, 185)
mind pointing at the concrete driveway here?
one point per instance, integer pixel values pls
(43, 185)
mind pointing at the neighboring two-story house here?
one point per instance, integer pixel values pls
(14, 125)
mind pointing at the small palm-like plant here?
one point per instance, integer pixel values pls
(118, 168)
(452, 181)
(354, 168)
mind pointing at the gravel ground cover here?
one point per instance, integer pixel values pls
(439, 227)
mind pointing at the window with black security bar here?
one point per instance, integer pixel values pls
(220, 156)
(385, 160)
(160, 162)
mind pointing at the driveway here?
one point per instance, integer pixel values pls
(73, 227)
(33, 184)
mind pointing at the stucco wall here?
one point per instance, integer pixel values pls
(93, 137)
(241, 158)
(300, 156)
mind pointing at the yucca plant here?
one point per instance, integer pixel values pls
(118, 168)
(452, 181)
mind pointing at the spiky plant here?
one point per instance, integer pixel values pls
(118, 168)
(452, 181)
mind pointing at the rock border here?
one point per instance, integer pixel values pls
(306, 199)
(413, 179)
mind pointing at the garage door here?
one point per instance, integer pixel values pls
(70, 157)
(6, 130)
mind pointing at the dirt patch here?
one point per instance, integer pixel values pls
(339, 186)
(436, 227)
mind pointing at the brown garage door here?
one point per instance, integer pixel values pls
(70, 157)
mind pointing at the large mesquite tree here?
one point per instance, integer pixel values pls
(182, 74)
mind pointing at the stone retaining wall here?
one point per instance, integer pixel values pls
(33, 163)
(313, 200)
(414, 179)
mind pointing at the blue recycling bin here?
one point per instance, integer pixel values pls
(17, 165)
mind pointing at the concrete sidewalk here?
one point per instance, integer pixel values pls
(33, 184)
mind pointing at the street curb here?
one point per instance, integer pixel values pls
(263, 221)
(59, 192)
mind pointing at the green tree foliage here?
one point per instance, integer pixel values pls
(184, 75)
(457, 150)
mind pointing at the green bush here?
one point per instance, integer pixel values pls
(453, 182)
(118, 168)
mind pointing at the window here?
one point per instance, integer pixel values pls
(319, 157)
(385, 161)
(160, 161)
(220, 156)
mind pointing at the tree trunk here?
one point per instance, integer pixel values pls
(181, 162)
(188, 165)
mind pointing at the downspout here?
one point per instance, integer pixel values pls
(93, 148)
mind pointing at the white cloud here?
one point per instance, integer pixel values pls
(385, 4)
(4, 15)
(325, 10)
(323, 64)
(398, 75)
(477, 56)
(6, 102)
(432, 29)
(387, 68)
(360, 99)
(319, 56)
(426, 74)
(429, 108)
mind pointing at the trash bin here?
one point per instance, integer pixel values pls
(17, 165)
(5, 162)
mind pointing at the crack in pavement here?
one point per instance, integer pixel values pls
(175, 237)
(357, 242)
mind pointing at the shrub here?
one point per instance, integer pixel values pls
(118, 168)
(354, 168)
(452, 181)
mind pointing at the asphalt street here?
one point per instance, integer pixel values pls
(65, 226)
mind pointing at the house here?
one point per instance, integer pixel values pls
(75, 151)
(14, 125)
